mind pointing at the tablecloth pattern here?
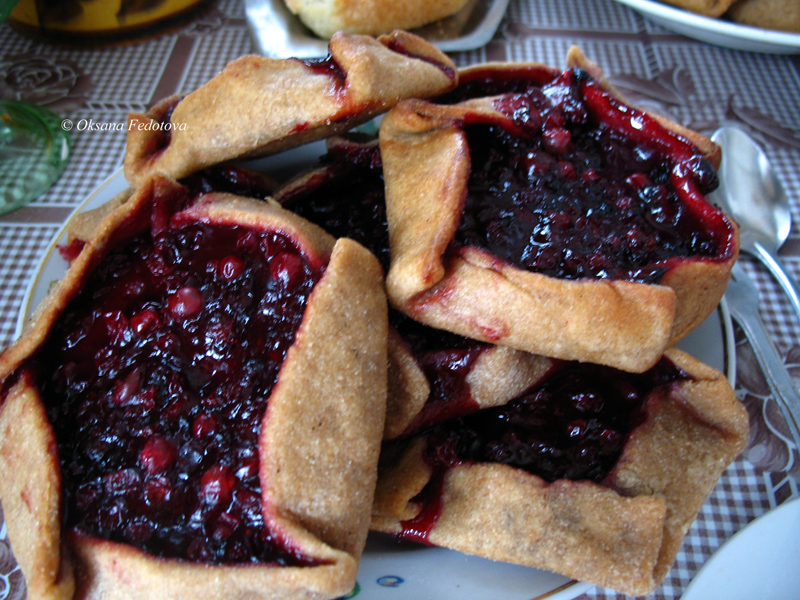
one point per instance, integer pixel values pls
(699, 85)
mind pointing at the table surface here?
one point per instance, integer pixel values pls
(699, 85)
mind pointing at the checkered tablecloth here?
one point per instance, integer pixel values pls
(699, 85)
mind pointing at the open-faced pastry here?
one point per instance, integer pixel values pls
(593, 473)
(534, 209)
(433, 374)
(196, 409)
(258, 106)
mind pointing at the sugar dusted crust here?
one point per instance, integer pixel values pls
(614, 322)
(258, 106)
(372, 17)
(320, 506)
(622, 533)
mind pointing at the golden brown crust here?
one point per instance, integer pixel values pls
(709, 8)
(32, 504)
(259, 106)
(623, 533)
(372, 17)
(782, 15)
(322, 511)
(618, 323)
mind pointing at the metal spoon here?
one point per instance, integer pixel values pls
(751, 193)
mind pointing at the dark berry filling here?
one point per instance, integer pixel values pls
(156, 378)
(230, 179)
(348, 200)
(573, 184)
(162, 134)
(573, 425)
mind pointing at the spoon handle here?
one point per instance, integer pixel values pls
(786, 281)
(743, 300)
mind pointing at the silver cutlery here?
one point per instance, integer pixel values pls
(743, 300)
(751, 193)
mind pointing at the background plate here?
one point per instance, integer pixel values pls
(717, 31)
(760, 561)
(278, 33)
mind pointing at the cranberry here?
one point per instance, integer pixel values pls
(145, 322)
(216, 485)
(230, 267)
(125, 391)
(204, 424)
(157, 456)
(185, 303)
(286, 268)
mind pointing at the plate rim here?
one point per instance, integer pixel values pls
(757, 35)
(790, 506)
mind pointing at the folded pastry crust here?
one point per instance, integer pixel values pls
(318, 444)
(372, 17)
(258, 106)
(622, 533)
(781, 15)
(469, 291)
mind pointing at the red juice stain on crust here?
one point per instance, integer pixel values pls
(156, 379)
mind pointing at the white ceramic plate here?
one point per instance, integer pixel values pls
(278, 33)
(403, 570)
(760, 562)
(719, 31)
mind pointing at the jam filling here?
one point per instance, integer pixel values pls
(230, 179)
(350, 202)
(156, 378)
(575, 185)
(326, 66)
(573, 425)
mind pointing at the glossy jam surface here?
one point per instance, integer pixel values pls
(573, 425)
(348, 200)
(156, 379)
(575, 185)
(232, 180)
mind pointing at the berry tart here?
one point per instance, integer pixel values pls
(593, 473)
(433, 374)
(534, 209)
(258, 106)
(195, 411)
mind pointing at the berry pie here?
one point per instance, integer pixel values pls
(593, 473)
(258, 106)
(196, 410)
(534, 209)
